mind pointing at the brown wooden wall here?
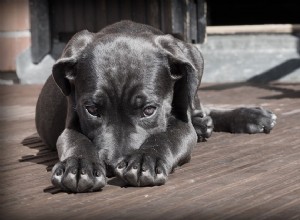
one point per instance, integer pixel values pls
(171, 16)
(58, 20)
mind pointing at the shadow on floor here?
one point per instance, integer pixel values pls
(285, 92)
(276, 72)
(279, 71)
(267, 79)
(49, 158)
(45, 156)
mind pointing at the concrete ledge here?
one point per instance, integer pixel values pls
(228, 58)
(253, 58)
(30, 73)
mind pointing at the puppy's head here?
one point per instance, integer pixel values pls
(124, 89)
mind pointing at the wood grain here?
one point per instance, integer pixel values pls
(231, 176)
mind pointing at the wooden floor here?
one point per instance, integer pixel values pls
(229, 177)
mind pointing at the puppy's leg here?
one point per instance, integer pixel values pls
(243, 120)
(202, 122)
(158, 156)
(80, 168)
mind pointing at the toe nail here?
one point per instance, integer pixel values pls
(83, 171)
(97, 173)
(59, 172)
(121, 165)
(74, 171)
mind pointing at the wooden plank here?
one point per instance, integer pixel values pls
(89, 15)
(166, 16)
(112, 12)
(266, 28)
(178, 10)
(125, 10)
(57, 14)
(78, 7)
(201, 21)
(68, 16)
(233, 176)
(101, 17)
(138, 11)
(153, 13)
(193, 22)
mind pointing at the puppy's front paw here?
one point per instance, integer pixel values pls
(253, 120)
(203, 125)
(78, 175)
(142, 169)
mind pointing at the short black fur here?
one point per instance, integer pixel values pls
(124, 102)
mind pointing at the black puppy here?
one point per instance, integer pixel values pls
(124, 101)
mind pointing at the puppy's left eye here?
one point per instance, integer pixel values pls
(148, 111)
(92, 109)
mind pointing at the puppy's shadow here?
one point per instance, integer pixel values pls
(114, 181)
(44, 156)
(49, 158)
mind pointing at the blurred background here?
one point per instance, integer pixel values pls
(242, 41)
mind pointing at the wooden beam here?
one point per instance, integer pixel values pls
(201, 21)
(40, 29)
(266, 28)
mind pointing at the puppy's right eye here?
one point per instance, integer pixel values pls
(148, 111)
(92, 109)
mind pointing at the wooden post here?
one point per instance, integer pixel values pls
(185, 19)
(193, 38)
(153, 13)
(201, 21)
(40, 29)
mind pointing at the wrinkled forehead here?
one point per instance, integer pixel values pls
(124, 52)
(124, 63)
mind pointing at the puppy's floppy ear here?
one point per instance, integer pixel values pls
(180, 57)
(64, 69)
